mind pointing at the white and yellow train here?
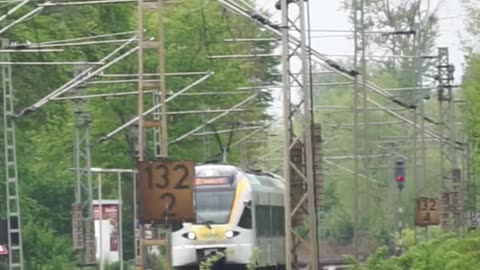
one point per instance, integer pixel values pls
(239, 214)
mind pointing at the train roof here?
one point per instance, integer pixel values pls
(259, 180)
(265, 181)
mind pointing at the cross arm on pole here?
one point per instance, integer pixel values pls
(213, 119)
(82, 77)
(135, 119)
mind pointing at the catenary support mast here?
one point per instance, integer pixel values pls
(451, 175)
(82, 220)
(159, 121)
(15, 254)
(360, 120)
(298, 172)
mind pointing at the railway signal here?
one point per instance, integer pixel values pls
(400, 173)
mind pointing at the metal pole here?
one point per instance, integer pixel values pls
(163, 78)
(100, 207)
(157, 131)
(295, 173)
(448, 158)
(308, 136)
(423, 141)
(120, 220)
(83, 180)
(14, 224)
(206, 139)
(140, 68)
(286, 134)
(163, 117)
(359, 48)
(135, 216)
(457, 182)
(365, 148)
(414, 97)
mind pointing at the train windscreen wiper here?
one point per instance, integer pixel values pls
(207, 223)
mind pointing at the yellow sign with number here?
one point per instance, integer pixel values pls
(427, 212)
(166, 191)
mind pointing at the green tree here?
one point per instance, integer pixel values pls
(194, 30)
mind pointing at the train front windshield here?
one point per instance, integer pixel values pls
(213, 205)
(214, 193)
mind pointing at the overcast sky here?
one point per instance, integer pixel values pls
(327, 14)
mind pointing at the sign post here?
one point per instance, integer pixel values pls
(427, 212)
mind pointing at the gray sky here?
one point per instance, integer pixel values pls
(326, 14)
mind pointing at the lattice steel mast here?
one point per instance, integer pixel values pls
(297, 171)
(15, 254)
(159, 122)
(82, 220)
(159, 85)
(452, 187)
(359, 93)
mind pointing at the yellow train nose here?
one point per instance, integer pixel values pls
(215, 232)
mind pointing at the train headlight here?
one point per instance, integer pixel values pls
(229, 234)
(191, 235)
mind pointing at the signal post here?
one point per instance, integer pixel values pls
(400, 180)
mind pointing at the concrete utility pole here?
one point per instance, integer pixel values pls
(159, 122)
(298, 167)
(82, 219)
(451, 175)
(361, 165)
(15, 246)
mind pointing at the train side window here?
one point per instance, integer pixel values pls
(274, 221)
(246, 218)
(262, 220)
(275, 229)
(281, 221)
(258, 222)
(278, 218)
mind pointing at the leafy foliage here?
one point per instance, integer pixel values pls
(211, 261)
(446, 251)
(194, 30)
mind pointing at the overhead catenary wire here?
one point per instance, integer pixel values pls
(83, 76)
(89, 37)
(322, 59)
(185, 135)
(149, 111)
(21, 19)
(82, 43)
(11, 11)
